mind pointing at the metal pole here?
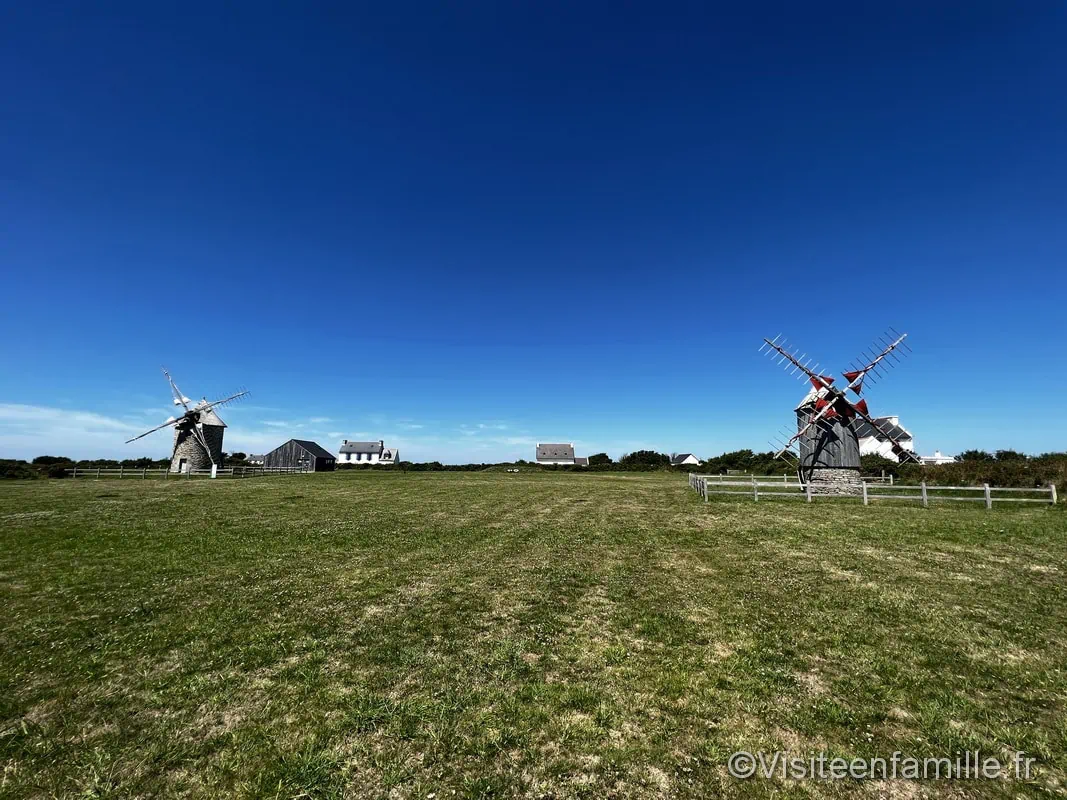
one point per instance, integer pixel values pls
(988, 496)
(925, 502)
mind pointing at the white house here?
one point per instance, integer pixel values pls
(558, 454)
(684, 459)
(873, 442)
(936, 459)
(367, 453)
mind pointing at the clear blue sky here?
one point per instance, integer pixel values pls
(464, 228)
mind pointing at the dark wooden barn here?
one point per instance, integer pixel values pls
(300, 454)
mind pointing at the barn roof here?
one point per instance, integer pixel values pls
(314, 449)
(554, 452)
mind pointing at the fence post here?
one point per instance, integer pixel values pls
(890, 478)
(755, 489)
(144, 473)
(1052, 492)
(807, 489)
(98, 472)
(121, 470)
(925, 502)
(988, 496)
(75, 475)
(704, 489)
(865, 502)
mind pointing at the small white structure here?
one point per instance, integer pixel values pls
(367, 453)
(684, 459)
(873, 442)
(936, 459)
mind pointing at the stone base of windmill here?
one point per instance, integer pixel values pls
(835, 481)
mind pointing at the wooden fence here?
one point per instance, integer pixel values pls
(163, 472)
(792, 478)
(758, 486)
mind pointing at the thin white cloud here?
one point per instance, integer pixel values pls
(319, 420)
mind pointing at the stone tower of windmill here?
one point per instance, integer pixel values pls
(189, 453)
(197, 432)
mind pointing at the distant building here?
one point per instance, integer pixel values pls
(367, 453)
(300, 454)
(874, 442)
(936, 459)
(258, 460)
(684, 459)
(558, 454)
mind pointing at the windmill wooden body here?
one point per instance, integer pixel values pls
(825, 446)
(197, 433)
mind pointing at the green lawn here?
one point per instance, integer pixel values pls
(365, 634)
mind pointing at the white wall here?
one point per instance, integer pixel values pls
(358, 458)
(871, 445)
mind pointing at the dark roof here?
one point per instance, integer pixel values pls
(863, 429)
(678, 459)
(581, 461)
(314, 449)
(360, 447)
(555, 452)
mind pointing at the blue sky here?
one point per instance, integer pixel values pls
(465, 228)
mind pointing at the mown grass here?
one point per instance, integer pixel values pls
(495, 635)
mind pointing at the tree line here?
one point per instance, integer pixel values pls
(972, 467)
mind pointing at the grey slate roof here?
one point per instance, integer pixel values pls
(314, 449)
(360, 447)
(678, 459)
(581, 461)
(555, 452)
(864, 429)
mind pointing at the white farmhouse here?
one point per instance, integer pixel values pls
(367, 453)
(873, 442)
(936, 459)
(684, 459)
(558, 454)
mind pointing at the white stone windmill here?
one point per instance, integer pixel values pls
(197, 432)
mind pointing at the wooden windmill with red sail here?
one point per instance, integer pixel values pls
(825, 446)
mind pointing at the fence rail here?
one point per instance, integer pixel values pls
(759, 486)
(164, 472)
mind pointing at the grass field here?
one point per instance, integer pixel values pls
(367, 634)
